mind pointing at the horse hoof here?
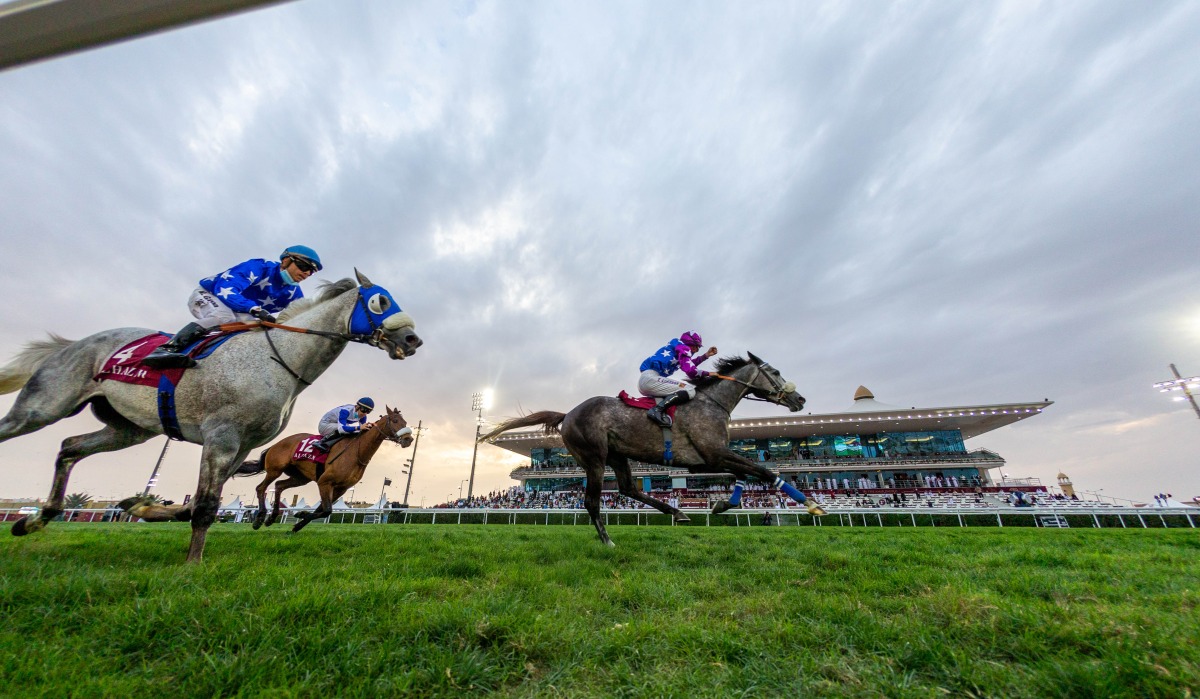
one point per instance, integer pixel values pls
(817, 510)
(722, 506)
(256, 525)
(18, 529)
(610, 544)
(680, 517)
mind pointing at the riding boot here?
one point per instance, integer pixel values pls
(326, 442)
(170, 355)
(659, 412)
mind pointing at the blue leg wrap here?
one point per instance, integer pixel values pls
(736, 498)
(790, 490)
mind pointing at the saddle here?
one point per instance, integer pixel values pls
(125, 365)
(644, 403)
(306, 452)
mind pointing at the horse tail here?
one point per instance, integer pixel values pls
(548, 419)
(253, 468)
(17, 373)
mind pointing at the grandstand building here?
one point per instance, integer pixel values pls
(871, 447)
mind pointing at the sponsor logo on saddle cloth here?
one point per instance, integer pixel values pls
(125, 365)
(306, 452)
(643, 402)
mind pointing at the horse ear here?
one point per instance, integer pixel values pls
(754, 359)
(362, 279)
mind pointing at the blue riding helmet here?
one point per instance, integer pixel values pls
(303, 252)
(366, 403)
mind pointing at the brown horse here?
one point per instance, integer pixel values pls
(347, 461)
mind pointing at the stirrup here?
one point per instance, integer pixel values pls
(168, 360)
(659, 416)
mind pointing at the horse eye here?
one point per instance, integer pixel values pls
(379, 303)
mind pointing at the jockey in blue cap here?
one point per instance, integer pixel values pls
(255, 289)
(342, 421)
(656, 378)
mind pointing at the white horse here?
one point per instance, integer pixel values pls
(237, 399)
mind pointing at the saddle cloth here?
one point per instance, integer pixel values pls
(305, 452)
(643, 402)
(125, 365)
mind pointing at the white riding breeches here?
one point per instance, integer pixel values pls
(210, 312)
(651, 384)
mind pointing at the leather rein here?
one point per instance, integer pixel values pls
(375, 338)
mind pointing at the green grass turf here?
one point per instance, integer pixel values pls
(373, 611)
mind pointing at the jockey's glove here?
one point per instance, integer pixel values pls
(261, 314)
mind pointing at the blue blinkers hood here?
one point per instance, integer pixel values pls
(375, 305)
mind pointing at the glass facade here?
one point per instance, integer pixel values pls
(871, 446)
(874, 452)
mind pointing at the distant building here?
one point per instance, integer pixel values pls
(872, 445)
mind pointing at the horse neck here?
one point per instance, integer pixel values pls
(366, 445)
(313, 352)
(728, 394)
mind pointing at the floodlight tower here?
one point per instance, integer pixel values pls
(479, 402)
(412, 460)
(154, 474)
(1181, 384)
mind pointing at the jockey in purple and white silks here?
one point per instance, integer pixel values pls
(656, 378)
(343, 421)
(254, 289)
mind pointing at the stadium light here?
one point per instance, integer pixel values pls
(479, 402)
(412, 460)
(1179, 383)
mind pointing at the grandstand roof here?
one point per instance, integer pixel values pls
(866, 416)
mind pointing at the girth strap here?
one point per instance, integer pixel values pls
(166, 409)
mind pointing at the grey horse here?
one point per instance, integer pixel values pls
(237, 399)
(603, 431)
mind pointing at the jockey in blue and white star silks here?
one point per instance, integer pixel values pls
(656, 371)
(254, 289)
(342, 421)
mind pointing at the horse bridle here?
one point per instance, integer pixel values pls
(779, 390)
(377, 336)
(396, 435)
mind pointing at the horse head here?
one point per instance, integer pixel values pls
(394, 428)
(769, 385)
(378, 316)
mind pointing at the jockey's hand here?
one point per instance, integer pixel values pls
(261, 314)
(712, 352)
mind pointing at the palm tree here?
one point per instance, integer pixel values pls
(77, 501)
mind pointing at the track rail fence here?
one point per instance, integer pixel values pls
(1041, 517)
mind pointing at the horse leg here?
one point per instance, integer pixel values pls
(261, 513)
(279, 488)
(324, 509)
(743, 467)
(222, 455)
(620, 466)
(591, 496)
(112, 437)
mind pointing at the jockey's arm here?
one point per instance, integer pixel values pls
(684, 356)
(230, 285)
(345, 425)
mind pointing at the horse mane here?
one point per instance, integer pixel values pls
(325, 292)
(724, 365)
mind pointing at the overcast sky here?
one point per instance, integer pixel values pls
(950, 203)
